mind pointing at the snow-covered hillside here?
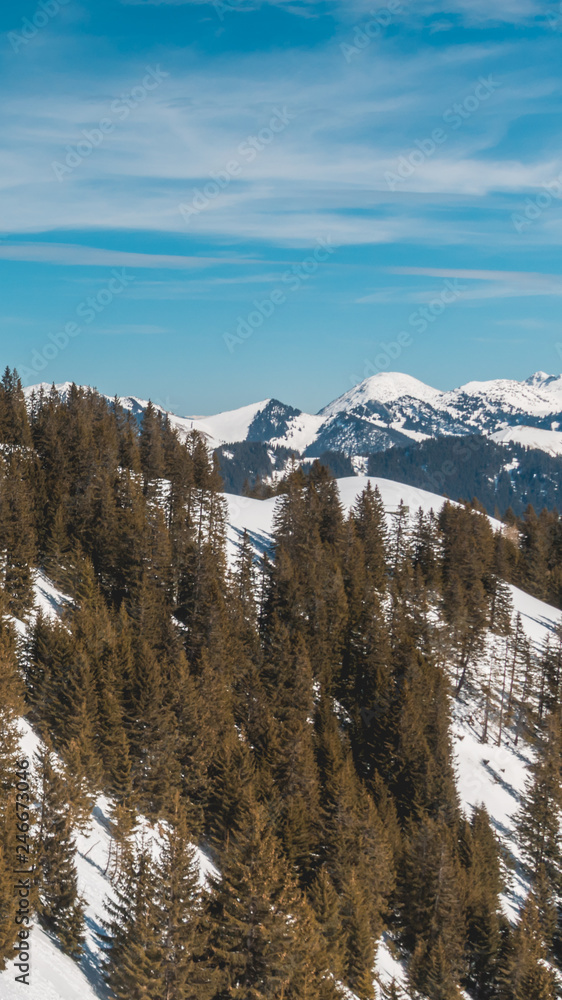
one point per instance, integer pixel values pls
(256, 516)
(55, 976)
(531, 437)
(494, 775)
(487, 773)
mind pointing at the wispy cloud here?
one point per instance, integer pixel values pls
(528, 323)
(302, 7)
(71, 255)
(475, 11)
(485, 285)
(327, 171)
(535, 278)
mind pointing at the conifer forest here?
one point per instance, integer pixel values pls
(286, 713)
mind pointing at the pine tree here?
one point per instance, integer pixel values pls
(15, 430)
(327, 908)
(80, 793)
(370, 521)
(290, 747)
(527, 974)
(392, 992)
(122, 827)
(60, 907)
(133, 946)
(422, 776)
(501, 608)
(151, 449)
(431, 910)
(18, 541)
(263, 940)
(359, 940)
(14, 806)
(180, 916)
(539, 817)
(484, 921)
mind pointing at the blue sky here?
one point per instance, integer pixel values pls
(214, 203)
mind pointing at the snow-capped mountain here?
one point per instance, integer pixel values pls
(388, 409)
(393, 408)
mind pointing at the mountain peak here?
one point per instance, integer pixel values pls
(384, 387)
(541, 378)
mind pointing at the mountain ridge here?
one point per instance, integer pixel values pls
(384, 410)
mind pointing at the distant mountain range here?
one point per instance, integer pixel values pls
(389, 409)
(392, 424)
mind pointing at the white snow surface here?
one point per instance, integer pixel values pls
(531, 437)
(55, 976)
(385, 387)
(228, 427)
(496, 775)
(302, 431)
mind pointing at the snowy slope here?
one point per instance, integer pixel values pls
(487, 773)
(228, 427)
(386, 387)
(496, 775)
(55, 976)
(531, 437)
(256, 516)
(396, 404)
(301, 432)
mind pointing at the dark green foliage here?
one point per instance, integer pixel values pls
(61, 910)
(245, 465)
(432, 917)
(180, 916)
(133, 941)
(484, 920)
(525, 972)
(539, 820)
(264, 941)
(462, 467)
(17, 530)
(11, 704)
(155, 935)
(292, 717)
